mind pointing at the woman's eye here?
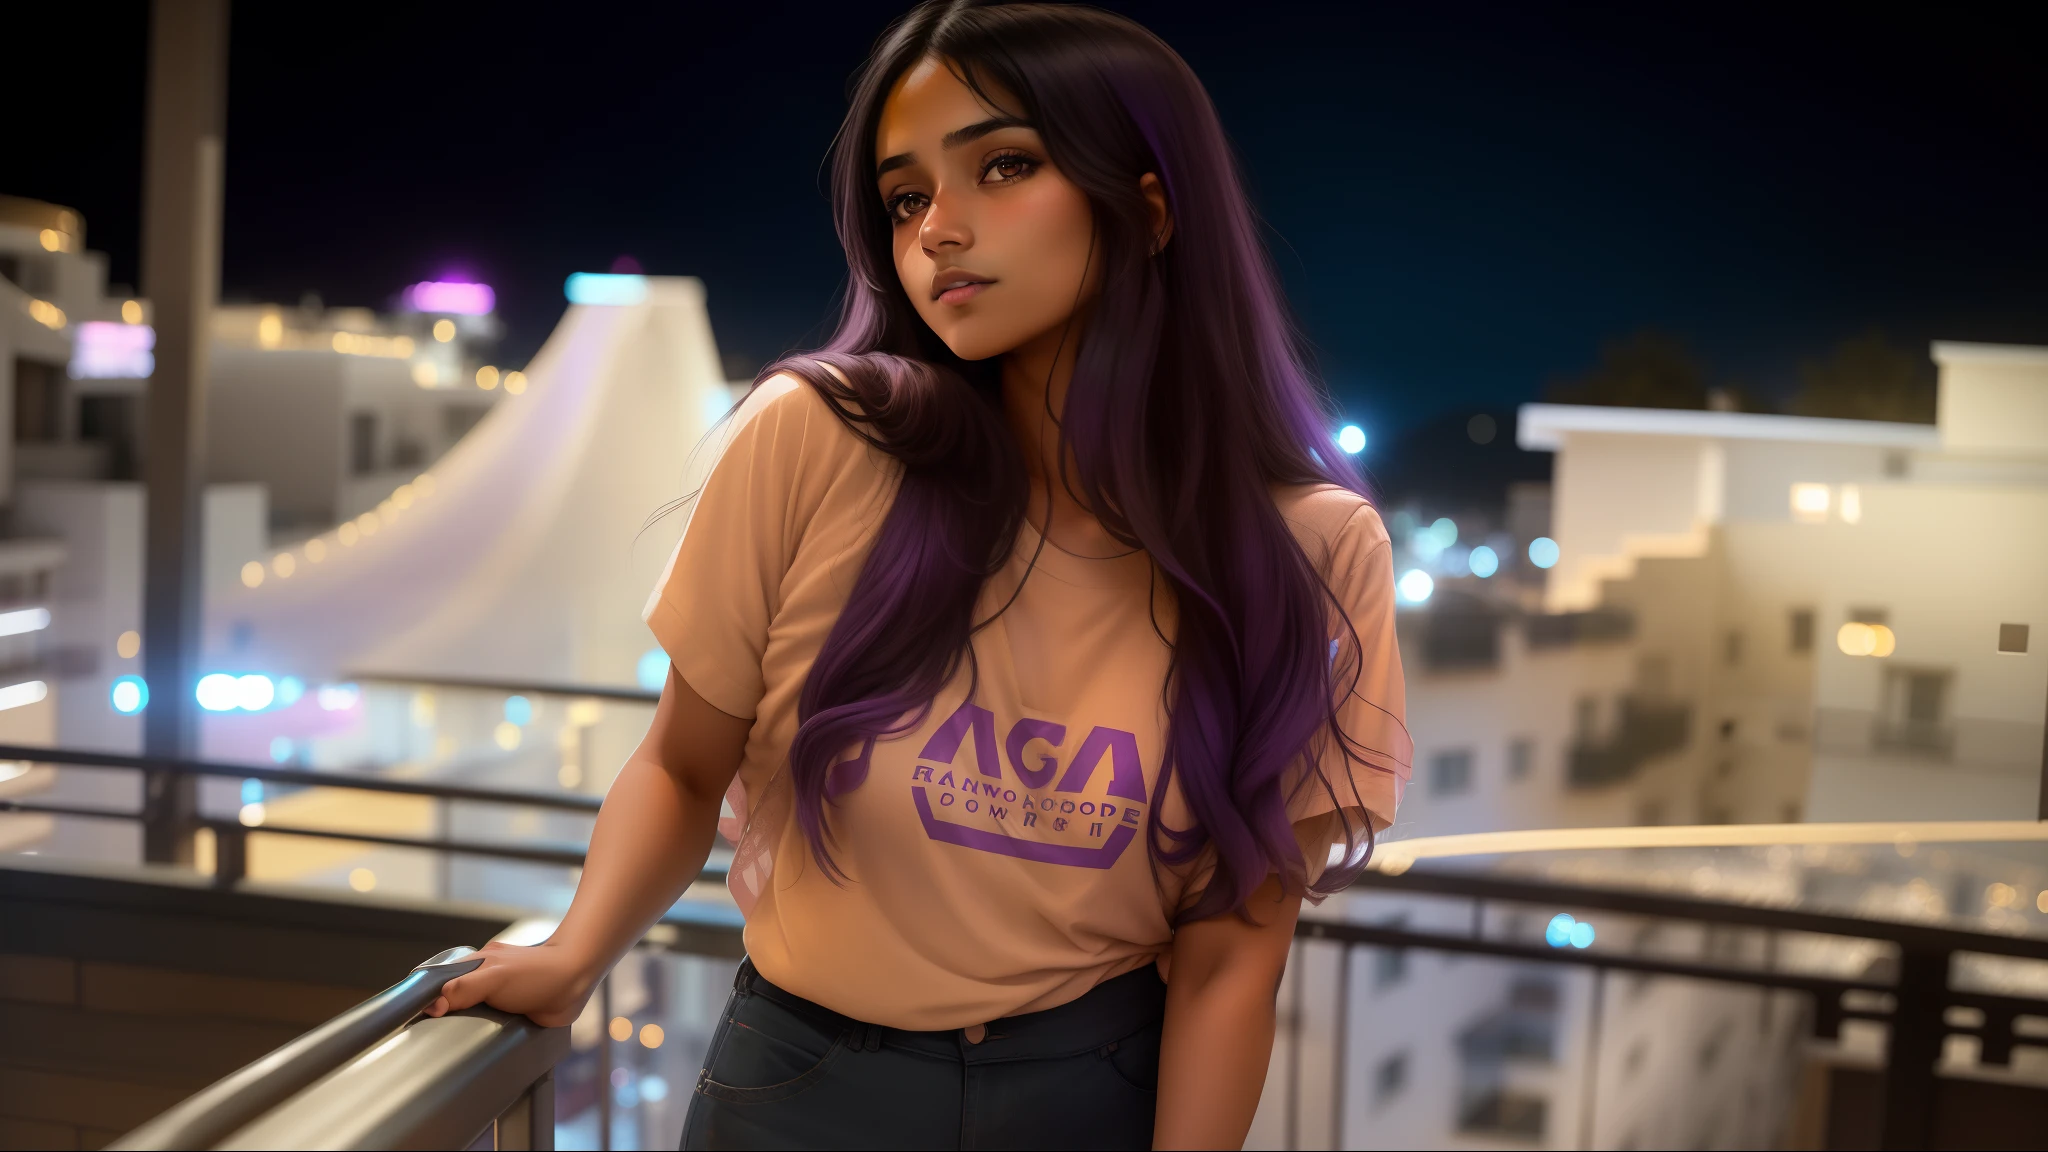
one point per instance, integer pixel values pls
(903, 207)
(1007, 167)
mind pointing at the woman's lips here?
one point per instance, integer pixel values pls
(963, 293)
(958, 286)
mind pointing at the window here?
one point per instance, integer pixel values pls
(1450, 773)
(1731, 647)
(1521, 758)
(1913, 713)
(362, 443)
(1390, 965)
(2012, 639)
(1587, 715)
(1389, 1078)
(1802, 630)
(38, 392)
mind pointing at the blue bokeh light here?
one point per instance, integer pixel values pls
(129, 695)
(1414, 586)
(281, 749)
(1558, 933)
(1567, 931)
(1351, 438)
(518, 710)
(652, 671)
(1543, 552)
(605, 288)
(1484, 561)
(216, 692)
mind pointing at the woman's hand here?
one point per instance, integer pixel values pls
(659, 817)
(546, 983)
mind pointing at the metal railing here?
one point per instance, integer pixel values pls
(231, 836)
(379, 1077)
(1913, 998)
(1912, 995)
(443, 1057)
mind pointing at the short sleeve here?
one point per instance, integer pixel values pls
(1366, 764)
(719, 594)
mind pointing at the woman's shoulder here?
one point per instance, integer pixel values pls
(787, 414)
(1328, 516)
(1329, 522)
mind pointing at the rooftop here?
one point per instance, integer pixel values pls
(1542, 427)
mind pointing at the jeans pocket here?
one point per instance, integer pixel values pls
(767, 1053)
(1135, 1058)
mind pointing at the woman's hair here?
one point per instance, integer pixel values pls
(1189, 403)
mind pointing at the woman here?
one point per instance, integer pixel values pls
(1041, 644)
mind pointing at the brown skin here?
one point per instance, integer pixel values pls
(993, 207)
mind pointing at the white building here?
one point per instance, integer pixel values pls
(1753, 619)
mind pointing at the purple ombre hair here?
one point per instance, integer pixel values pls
(1189, 404)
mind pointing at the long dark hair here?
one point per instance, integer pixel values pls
(1189, 403)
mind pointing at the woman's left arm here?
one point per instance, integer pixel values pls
(1223, 979)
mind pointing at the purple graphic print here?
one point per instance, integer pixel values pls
(1065, 829)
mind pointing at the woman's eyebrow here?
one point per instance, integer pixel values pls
(953, 139)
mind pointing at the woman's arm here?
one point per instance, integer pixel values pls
(1223, 977)
(652, 836)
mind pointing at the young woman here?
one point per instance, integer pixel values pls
(1041, 643)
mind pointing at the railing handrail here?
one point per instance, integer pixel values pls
(1643, 902)
(514, 687)
(573, 802)
(1466, 884)
(215, 1112)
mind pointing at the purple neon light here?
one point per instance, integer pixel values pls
(108, 351)
(455, 297)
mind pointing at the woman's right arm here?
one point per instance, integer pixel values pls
(651, 838)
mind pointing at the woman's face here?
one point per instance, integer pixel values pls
(992, 241)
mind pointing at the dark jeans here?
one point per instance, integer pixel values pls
(786, 1073)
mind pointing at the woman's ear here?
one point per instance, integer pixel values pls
(1155, 198)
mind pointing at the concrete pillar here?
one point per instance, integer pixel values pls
(181, 222)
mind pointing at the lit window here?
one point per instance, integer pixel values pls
(1810, 503)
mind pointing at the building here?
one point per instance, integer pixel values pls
(1740, 619)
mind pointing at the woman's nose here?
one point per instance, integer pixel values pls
(944, 225)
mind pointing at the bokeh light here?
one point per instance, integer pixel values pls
(1414, 586)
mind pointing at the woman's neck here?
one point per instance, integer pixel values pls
(1035, 380)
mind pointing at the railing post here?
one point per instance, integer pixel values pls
(1338, 1060)
(1294, 1011)
(604, 1065)
(188, 77)
(1917, 1032)
(542, 1105)
(1595, 1019)
(230, 854)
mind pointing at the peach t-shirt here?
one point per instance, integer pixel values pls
(995, 857)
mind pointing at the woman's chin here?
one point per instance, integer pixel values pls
(977, 345)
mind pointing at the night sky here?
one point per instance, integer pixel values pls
(1465, 201)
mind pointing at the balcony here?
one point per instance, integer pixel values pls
(1646, 730)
